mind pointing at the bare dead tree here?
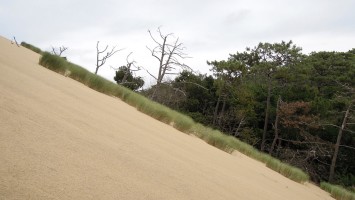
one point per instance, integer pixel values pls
(15, 42)
(101, 61)
(342, 128)
(168, 54)
(276, 126)
(129, 68)
(59, 51)
(337, 144)
(240, 124)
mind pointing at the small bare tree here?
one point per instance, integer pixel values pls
(15, 41)
(128, 69)
(101, 61)
(131, 67)
(168, 54)
(59, 51)
(125, 75)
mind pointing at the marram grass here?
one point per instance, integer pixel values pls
(167, 115)
(337, 191)
(31, 47)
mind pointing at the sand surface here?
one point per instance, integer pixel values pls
(62, 140)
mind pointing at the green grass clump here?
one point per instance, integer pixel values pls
(31, 47)
(167, 115)
(337, 191)
(54, 63)
(78, 73)
(182, 122)
(287, 170)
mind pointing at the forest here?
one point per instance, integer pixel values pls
(296, 107)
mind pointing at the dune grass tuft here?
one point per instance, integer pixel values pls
(337, 191)
(54, 63)
(287, 170)
(31, 47)
(167, 115)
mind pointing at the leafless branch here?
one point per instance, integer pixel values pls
(347, 130)
(330, 125)
(149, 73)
(132, 63)
(61, 50)
(176, 89)
(16, 42)
(347, 146)
(303, 142)
(167, 53)
(101, 61)
(198, 85)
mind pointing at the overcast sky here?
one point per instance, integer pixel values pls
(209, 29)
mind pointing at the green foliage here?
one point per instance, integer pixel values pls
(77, 73)
(31, 47)
(97, 83)
(53, 62)
(329, 70)
(337, 191)
(199, 91)
(125, 77)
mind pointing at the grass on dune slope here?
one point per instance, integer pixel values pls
(337, 192)
(31, 47)
(168, 116)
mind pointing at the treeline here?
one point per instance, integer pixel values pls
(296, 107)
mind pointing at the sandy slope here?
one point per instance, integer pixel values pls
(62, 140)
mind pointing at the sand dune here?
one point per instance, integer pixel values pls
(62, 140)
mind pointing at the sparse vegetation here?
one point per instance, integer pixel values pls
(337, 191)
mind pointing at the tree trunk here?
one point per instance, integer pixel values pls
(279, 145)
(216, 110)
(157, 87)
(239, 126)
(97, 59)
(222, 111)
(276, 127)
(124, 79)
(266, 116)
(337, 145)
